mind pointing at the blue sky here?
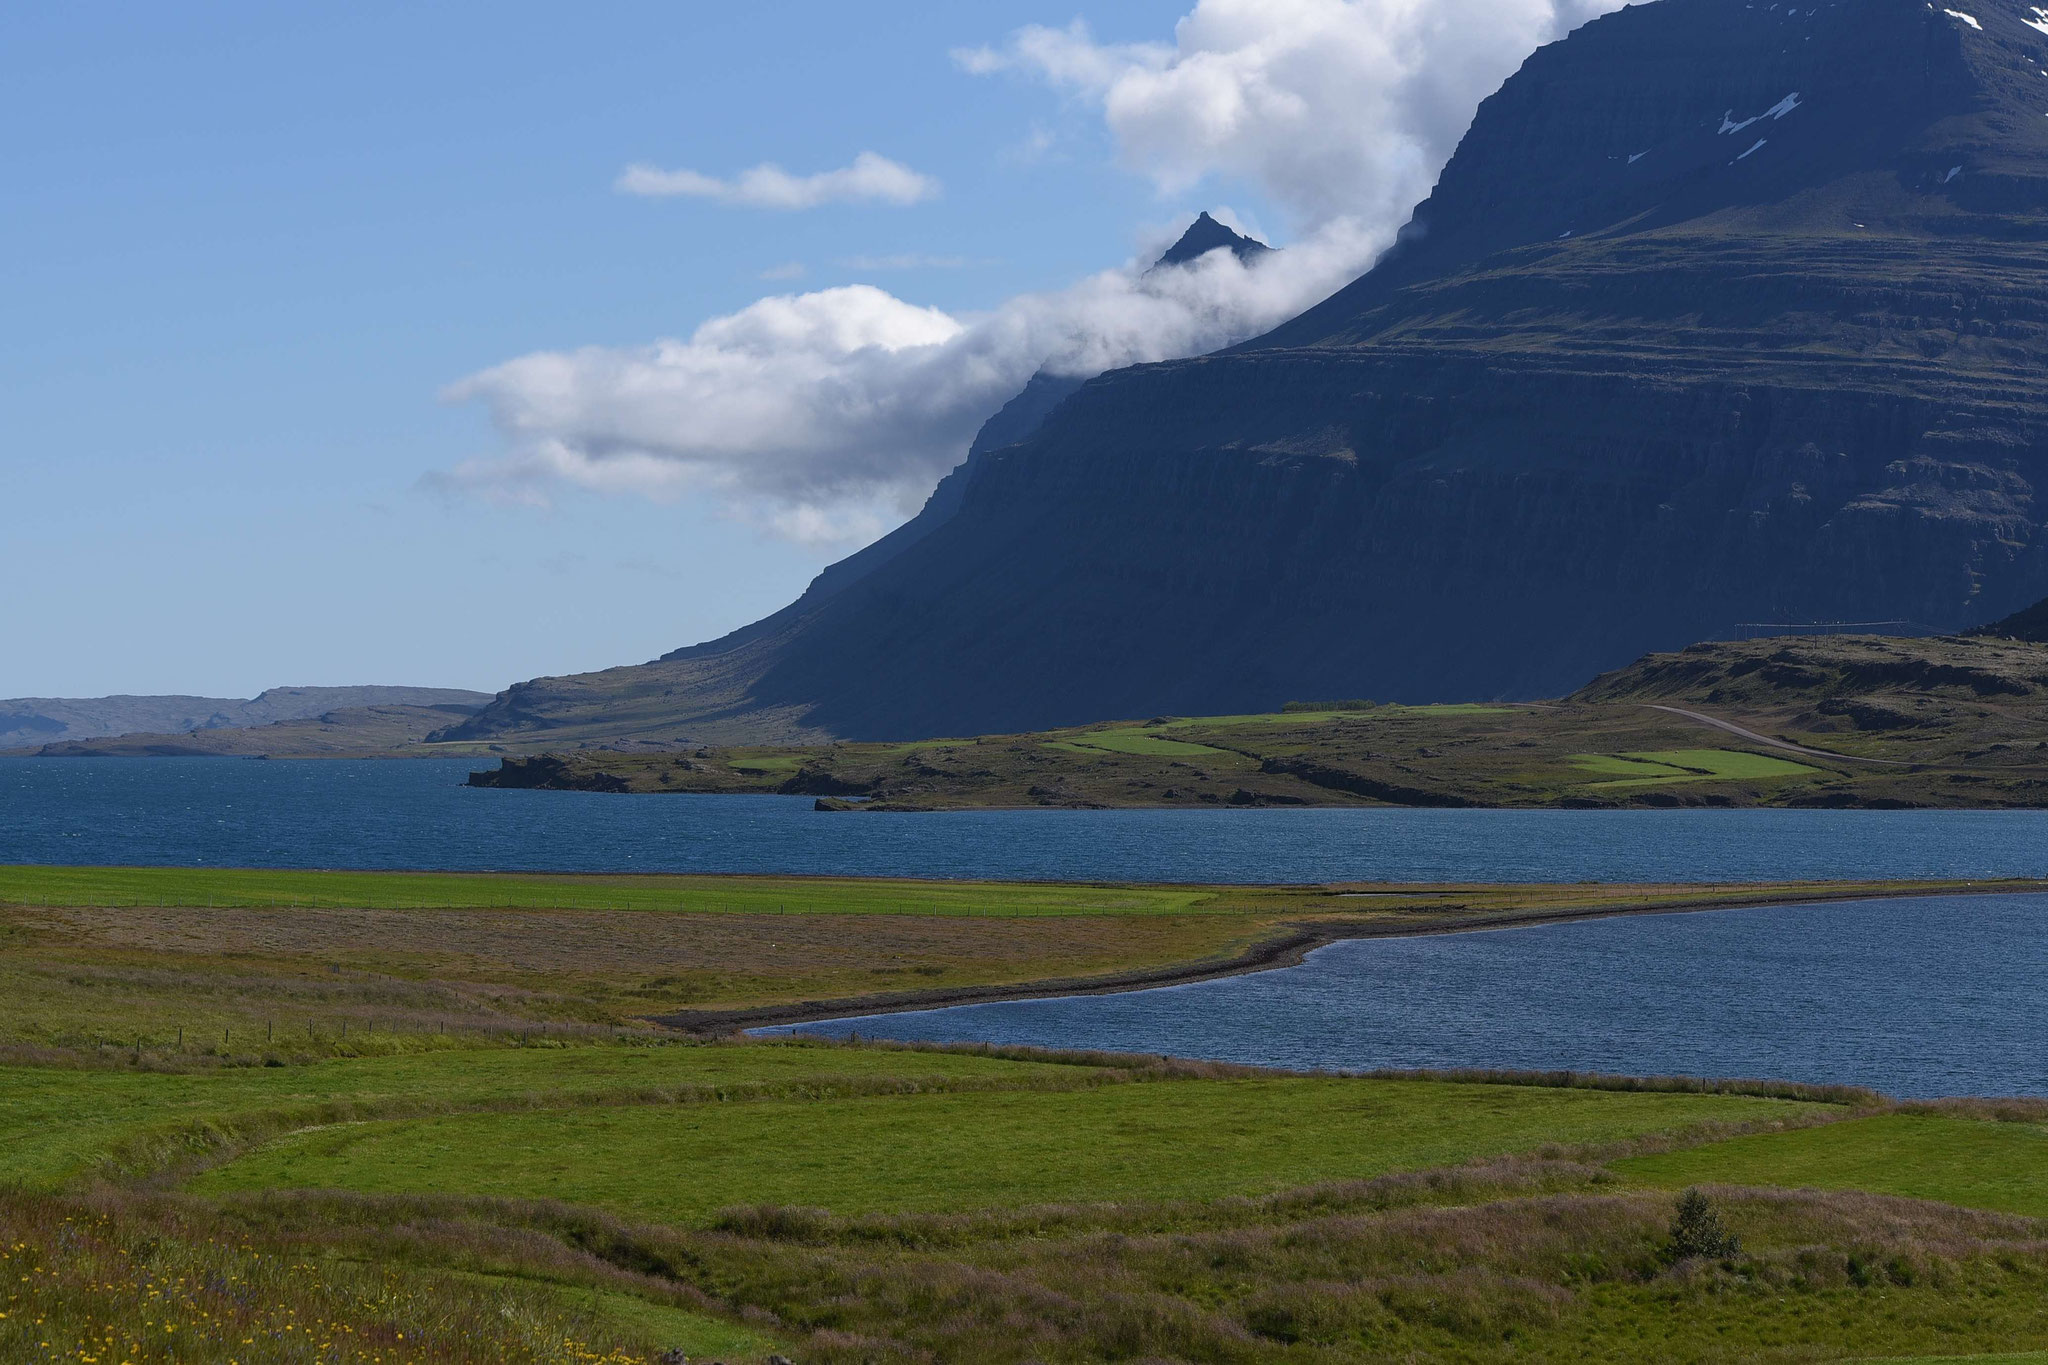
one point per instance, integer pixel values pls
(249, 248)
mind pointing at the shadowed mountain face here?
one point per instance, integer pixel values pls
(1720, 313)
(2030, 624)
(1205, 235)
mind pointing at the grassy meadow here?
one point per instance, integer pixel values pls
(175, 963)
(949, 1152)
(502, 1159)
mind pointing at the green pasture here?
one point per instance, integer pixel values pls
(1973, 1162)
(1390, 711)
(1687, 765)
(1158, 1140)
(55, 1121)
(766, 763)
(254, 888)
(1136, 741)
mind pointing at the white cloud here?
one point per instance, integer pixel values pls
(870, 178)
(1336, 108)
(828, 416)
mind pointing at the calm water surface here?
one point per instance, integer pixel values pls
(1920, 997)
(418, 814)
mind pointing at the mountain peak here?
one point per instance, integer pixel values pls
(1836, 126)
(1205, 235)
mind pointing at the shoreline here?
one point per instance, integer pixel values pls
(1270, 954)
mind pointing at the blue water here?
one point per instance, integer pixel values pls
(1919, 997)
(418, 814)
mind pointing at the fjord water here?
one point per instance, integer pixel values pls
(1940, 995)
(418, 814)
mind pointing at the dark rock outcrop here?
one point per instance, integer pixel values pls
(1721, 313)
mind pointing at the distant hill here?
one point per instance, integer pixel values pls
(2029, 624)
(34, 721)
(1721, 312)
(1841, 721)
(346, 732)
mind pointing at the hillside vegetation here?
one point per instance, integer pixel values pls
(296, 1118)
(1816, 721)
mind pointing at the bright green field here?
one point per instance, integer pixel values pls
(698, 1335)
(1387, 712)
(1977, 1163)
(936, 1152)
(1136, 741)
(1687, 765)
(53, 1121)
(768, 763)
(166, 886)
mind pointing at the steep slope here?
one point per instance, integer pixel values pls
(1721, 312)
(1205, 235)
(2030, 624)
(710, 698)
(42, 720)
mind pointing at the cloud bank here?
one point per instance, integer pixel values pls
(1334, 108)
(828, 416)
(870, 179)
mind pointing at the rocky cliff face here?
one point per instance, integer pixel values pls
(1721, 313)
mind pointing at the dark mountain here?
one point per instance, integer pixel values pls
(1012, 423)
(1720, 313)
(2029, 624)
(41, 720)
(1205, 235)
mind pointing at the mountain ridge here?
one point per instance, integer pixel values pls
(1717, 314)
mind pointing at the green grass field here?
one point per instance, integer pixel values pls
(253, 888)
(1978, 1164)
(942, 1153)
(766, 763)
(838, 1204)
(1688, 765)
(57, 1122)
(1132, 740)
(553, 1181)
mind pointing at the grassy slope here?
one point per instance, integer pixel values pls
(941, 1153)
(1964, 716)
(55, 1123)
(1255, 1219)
(2002, 1166)
(81, 1286)
(1540, 1257)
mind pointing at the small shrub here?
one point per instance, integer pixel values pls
(1698, 1231)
